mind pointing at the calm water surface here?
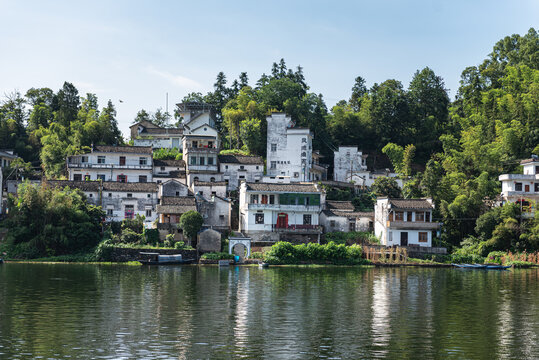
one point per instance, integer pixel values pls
(126, 312)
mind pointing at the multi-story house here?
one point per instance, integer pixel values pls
(275, 212)
(523, 189)
(6, 157)
(349, 165)
(175, 199)
(340, 216)
(145, 133)
(164, 170)
(319, 170)
(289, 149)
(238, 168)
(112, 163)
(119, 200)
(404, 222)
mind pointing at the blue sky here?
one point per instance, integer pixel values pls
(137, 51)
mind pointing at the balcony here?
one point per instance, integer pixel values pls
(201, 149)
(413, 225)
(108, 166)
(202, 167)
(306, 229)
(281, 207)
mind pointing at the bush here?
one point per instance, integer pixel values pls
(257, 255)
(352, 237)
(128, 236)
(151, 236)
(136, 224)
(169, 241)
(104, 250)
(497, 257)
(167, 154)
(286, 253)
(217, 256)
(180, 245)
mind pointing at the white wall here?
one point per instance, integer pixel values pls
(232, 173)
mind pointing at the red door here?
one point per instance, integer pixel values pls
(282, 221)
(527, 188)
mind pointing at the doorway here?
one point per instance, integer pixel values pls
(282, 221)
(404, 238)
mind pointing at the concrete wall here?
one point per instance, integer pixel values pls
(209, 241)
(112, 174)
(173, 188)
(234, 174)
(216, 213)
(348, 160)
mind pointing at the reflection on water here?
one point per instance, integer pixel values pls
(124, 312)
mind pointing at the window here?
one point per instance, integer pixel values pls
(264, 199)
(101, 177)
(122, 160)
(332, 223)
(259, 218)
(242, 167)
(307, 201)
(177, 193)
(420, 216)
(242, 176)
(90, 195)
(195, 179)
(202, 161)
(273, 147)
(427, 216)
(518, 186)
(254, 198)
(77, 177)
(109, 212)
(536, 187)
(129, 211)
(195, 144)
(423, 237)
(399, 216)
(212, 179)
(257, 167)
(272, 199)
(226, 167)
(122, 178)
(84, 159)
(210, 160)
(129, 195)
(408, 216)
(110, 194)
(193, 160)
(142, 161)
(214, 193)
(390, 236)
(142, 178)
(159, 181)
(296, 174)
(273, 165)
(148, 213)
(148, 196)
(162, 168)
(100, 159)
(87, 177)
(307, 219)
(210, 144)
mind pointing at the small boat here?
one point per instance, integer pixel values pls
(497, 267)
(263, 265)
(470, 266)
(158, 259)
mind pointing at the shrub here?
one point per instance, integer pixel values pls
(257, 255)
(352, 237)
(179, 245)
(497, 257)
(151, 236)
(217, 256)
(136, 224)
(128, 236)
(103, 251)
(169, 241)
(286, 253)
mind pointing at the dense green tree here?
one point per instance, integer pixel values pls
(386, 186)
(191, 223)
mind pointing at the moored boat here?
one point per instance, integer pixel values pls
(158, 259)
(482, 266)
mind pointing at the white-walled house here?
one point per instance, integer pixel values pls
(523, 189)
(145, 133)
(289, 149)
(348, 164)
(404, 222)
(118, 200)
(200, 149)
(280, 209)
(208, 189)
(164, 170)
(340, 216)
(112, 163)
(6, 157)
(238, 168)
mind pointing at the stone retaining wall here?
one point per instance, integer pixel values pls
(124, 255)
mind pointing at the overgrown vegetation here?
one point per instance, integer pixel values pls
(217, 256)
(352, 237)
(167, 154)
(312, 253)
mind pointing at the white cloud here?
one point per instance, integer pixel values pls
(178, 80)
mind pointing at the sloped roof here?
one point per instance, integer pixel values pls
(173, 131)
(339, 205)
(410, 203)
(527, 161)
(180, 174)
(123, 149)
(130, 186)
(175, 163)
(209, 183)
(176, 205)
(241, 159)
(349, 214)
(282, 187)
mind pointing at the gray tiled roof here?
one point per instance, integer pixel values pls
(241, 159)
(123, 149)
(178, 200)
(130, 186)
(282, 187)
(410, 203)
(175, 163)
(339, 205)
(164, 131)
(348, 214)
(209, 183)
(527, 161)
(176, 205)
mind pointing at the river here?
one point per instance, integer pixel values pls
(204, 312)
